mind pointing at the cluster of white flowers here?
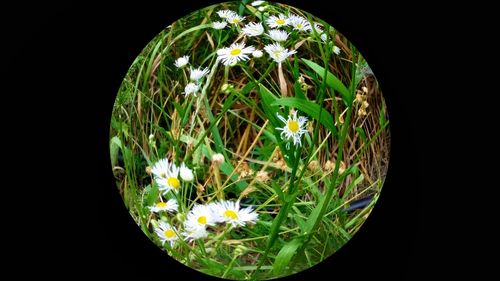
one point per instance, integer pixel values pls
(238, 52)
(200, 217)
(195, 76)
(167, 175)
(230, 16)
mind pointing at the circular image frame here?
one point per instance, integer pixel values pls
(184, 144)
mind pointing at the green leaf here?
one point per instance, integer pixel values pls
(290, 197)
(300, 222)
(278, 191)
(331, 81)
(247, 88)
(298, 91)
(179, 108)
(310, 109)
(314, 215)
(362, 134)
(114, 146)
(285, 255)
(151, 193)
(382, 120)
(267, 98)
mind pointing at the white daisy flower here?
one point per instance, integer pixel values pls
(234, 19)
(169, 206)
(186, 173)
(195, 233)
(277, 21)
(166, 232)
(299, 23)
(191, 88)
(200, 216)
(257, 54)
(294, 127)
(197, 73)
(262, 9)
(257, 3)
(224, 14)
(235, 53)
(277, 52)
(336, 50)
(253, 29)
(219, 24)
(182, 61)
(171, 181)
(278, 35)
(161, 168)
(230, 212)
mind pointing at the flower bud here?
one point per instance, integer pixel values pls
(217, 159)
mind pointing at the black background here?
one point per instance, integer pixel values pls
(65, 64)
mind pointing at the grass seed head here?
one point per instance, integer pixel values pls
(244, 170)
(313, 165)
(263, 176)
(247, 191)
(362, 112)
(329, 166)
(360, 98)
(281, 164)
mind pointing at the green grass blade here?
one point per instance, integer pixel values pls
(362, 134)
(352, 185)
(382, 120)
(278, 191)
(332, 81)
(300, 222)
(285, 255)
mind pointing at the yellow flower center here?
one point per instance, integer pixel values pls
(202, 220)
(235, 52)
(277, 54)
(299, 25)
(174, 182)
(235, 20)
(169, 233)
(230, 214)
(161, 205)
(293, 126)
(280, 21)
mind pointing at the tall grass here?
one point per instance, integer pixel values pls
(300, 192)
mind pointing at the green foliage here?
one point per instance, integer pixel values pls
(331, 81)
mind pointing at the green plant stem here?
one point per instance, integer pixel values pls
(229, 266)
(282, 215)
